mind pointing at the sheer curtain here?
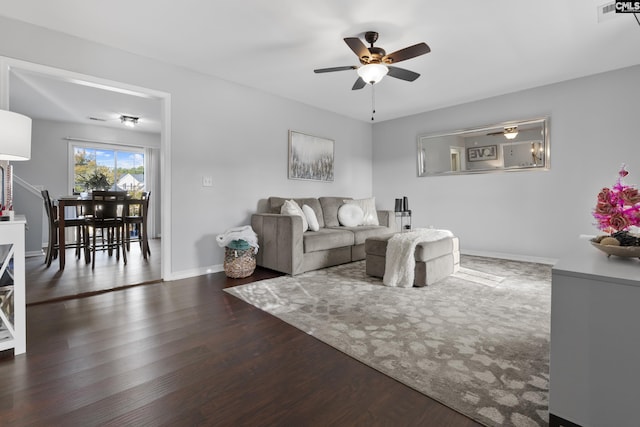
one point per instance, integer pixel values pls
(152, 181)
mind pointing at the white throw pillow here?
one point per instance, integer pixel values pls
(368, 206)
(350, 215)
(312, 219)
(290, 207)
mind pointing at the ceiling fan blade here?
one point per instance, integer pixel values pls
(357, 47)
(406, 53)
(402, 74)
(359, 84)
(329, 70)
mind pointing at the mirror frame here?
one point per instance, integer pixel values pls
(544, 121)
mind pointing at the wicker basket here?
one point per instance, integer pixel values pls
(239, 263)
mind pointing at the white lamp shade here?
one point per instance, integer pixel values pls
(15, 136)
(372, 73)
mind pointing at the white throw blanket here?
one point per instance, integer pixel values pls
(400, 260)
(245, 233)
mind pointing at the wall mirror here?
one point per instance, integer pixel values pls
(517, 145)
(3, 165)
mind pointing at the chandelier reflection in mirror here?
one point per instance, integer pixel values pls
(509, 146)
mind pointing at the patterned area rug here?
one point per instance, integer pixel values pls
(477, 341)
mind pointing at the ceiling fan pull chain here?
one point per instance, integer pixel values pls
(373, 101)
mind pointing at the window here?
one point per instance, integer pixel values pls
(106, 168)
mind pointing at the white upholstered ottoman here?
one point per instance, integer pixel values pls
(434, 260)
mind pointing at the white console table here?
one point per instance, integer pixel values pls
(12, 286)
(595, 340)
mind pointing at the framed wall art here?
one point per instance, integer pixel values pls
(310, 157)
(488, 152)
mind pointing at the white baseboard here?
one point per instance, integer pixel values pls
(512, 257)
(185, 274)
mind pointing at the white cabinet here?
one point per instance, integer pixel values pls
(12, 286)
(595, 339)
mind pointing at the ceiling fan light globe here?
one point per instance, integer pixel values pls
(510, 132)
(373, 73)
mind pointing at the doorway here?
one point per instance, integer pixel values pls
(456, 158)
(12, 70)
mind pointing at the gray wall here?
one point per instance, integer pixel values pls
(527, 214)
(235, 134)
(30, 204)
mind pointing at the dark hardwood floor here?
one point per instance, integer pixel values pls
(185, 353)
(79, 279)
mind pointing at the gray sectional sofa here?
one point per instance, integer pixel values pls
(285, 247)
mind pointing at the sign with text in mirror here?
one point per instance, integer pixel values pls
(518, 145)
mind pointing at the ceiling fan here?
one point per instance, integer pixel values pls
(509, 132)
(376, 63)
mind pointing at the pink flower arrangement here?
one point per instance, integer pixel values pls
(618, 208)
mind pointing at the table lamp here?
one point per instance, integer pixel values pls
(15, 144)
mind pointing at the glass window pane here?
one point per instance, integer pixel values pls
(130, 172)
(102, 168)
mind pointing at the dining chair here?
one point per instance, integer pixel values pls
(106, 221)
(135, 219)
(80, 243)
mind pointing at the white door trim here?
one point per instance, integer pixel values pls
(7, 64)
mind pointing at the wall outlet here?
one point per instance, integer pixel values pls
(207, 181)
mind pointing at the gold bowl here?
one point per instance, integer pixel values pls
(621, 251)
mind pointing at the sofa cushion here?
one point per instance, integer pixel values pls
(327, 238)
(350, 215)
(377, 245)
(368, 207)
(362, 232)
(275, 204)
(330, 206)
(432, 250)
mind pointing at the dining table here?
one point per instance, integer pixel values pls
(87, 202)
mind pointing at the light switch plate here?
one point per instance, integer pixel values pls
(207, 181)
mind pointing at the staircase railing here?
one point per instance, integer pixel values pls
(28, 201)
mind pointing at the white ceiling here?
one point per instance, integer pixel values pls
(45, 97)
(479, 48)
